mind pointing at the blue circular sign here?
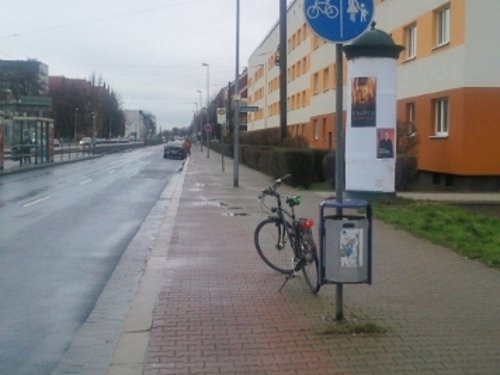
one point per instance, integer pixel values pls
(339, 20)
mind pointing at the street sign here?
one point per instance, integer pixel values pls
(249, 108)
(338, 20)
(207, 127)
(221, 115)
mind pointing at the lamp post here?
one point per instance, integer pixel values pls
(94, 132)
(208, 98)
(283, 68)
(74, 130)
(201, 121)
(195, 115)
(236, 98)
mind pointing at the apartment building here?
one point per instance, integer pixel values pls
(448, 78)
(24, 78)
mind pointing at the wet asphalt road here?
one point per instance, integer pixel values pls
(62, 232)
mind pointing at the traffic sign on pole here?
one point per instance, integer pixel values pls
(338, 20)
(249, 108)
(221, 115)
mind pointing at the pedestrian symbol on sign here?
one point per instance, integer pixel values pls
(354, 8)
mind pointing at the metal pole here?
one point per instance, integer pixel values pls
(201, 121)
(74, 130)
(93, 132)
(236, 134)
(283, 72)
(339, 163)
(195, 115)
(208, 103)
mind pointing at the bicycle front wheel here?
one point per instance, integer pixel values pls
(273, 245)
(310, 256)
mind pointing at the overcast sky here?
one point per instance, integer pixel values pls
(149, 51)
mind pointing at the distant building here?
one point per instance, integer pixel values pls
(24, 77)
(134, 124)
(24, 86)
(448, 85)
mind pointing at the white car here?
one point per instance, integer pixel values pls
(85, 142)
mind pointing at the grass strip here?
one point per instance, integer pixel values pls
(472, 235)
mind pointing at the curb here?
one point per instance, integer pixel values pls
(131, 348)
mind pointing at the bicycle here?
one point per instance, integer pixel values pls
(285, 243)
(324, 7)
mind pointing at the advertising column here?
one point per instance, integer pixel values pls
(371, 114)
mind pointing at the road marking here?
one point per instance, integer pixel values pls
(86, 182)
(36, 201)
(111, 171)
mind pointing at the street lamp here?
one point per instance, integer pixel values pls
(201, 125)
(236, 98)
(195, 115)
(76, 119)
(208, 96)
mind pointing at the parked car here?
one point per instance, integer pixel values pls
(85, 143)
(174, 150)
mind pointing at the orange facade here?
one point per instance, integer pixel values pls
(470, 148)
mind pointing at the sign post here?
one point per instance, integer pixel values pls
(339, 21)
(208, 129)
(221, 119)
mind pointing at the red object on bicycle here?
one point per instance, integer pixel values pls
(306, 224)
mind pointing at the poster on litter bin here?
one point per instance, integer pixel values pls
(351, 247)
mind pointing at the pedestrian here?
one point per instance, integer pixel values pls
(26, 151)
(187, 146)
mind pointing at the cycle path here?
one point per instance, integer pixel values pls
(219, 309)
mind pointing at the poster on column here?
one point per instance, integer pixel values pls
(364, 102)
(385, 143)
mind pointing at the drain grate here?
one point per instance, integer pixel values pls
(235, 214)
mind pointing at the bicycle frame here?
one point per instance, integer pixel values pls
(301, 249)
(288, 220)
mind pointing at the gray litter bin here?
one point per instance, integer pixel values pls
(346, 242)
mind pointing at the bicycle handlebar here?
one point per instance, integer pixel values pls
(272, 189)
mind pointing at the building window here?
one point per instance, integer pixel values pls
(441, 119)
(316, 83)
(316, 129)
(410, 118)
(326, 78)
(411, 41)
(443, 26)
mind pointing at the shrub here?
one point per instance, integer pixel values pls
(297, 162)
(406, 172)
(329, 168)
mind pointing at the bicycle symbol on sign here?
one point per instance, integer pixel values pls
(322, 6)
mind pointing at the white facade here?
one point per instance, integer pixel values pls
(133, 124)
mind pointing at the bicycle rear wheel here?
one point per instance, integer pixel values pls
(273, 245)
(310, 255)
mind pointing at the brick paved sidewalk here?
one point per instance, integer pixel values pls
(220, 312)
